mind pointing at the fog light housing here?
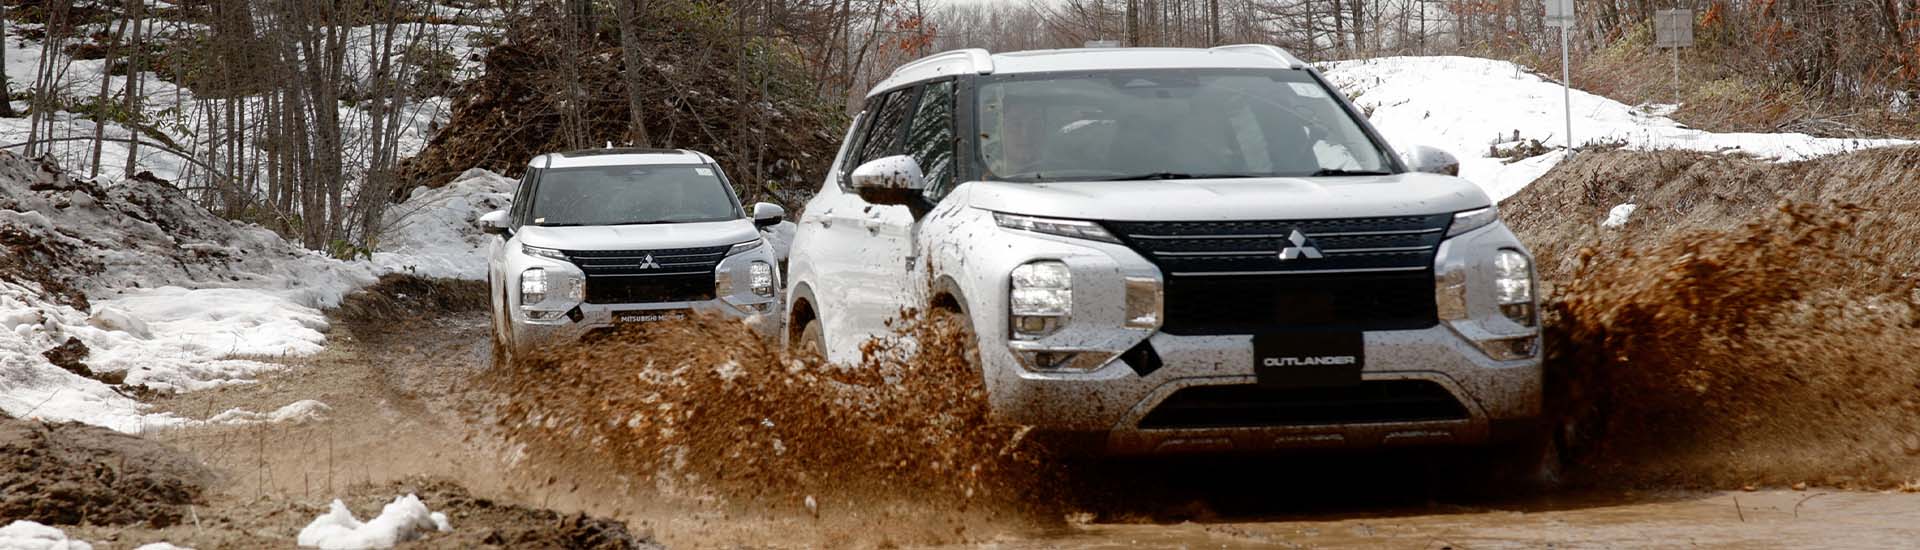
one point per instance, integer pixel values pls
(544, 315)
(1508, 349)
(1146, 303)
(1040, 298)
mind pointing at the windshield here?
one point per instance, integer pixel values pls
(623, 195)
(1168, 124)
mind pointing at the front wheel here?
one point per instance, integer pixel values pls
(812, 342)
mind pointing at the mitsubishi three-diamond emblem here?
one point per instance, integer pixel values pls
(1299, 248)
(648, 263)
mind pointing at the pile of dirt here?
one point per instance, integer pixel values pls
(401, 296)
(706, 409)
(704, 91)
(1752, 323)
(71, 474)
(486, 523)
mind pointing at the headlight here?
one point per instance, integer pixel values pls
(1076, 229)
(743, 247)
(1513, 287)
(1040, 299)
(1472, 219)
(760, 279)
(533, 286)
(543, 252)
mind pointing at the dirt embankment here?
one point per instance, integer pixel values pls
(1753, 322)
(64, 474)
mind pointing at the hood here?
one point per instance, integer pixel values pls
(639, 237)
(1234, 199)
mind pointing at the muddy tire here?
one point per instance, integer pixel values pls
(967, 339)
(1530, 461)
(812, 341)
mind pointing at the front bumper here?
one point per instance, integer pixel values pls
(763, 314)
(1108, 404)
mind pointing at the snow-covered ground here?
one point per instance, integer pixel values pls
(1472, 107)
(176, 112)
(435, 232)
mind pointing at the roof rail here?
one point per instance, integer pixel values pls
(1264, 49)
(978, 60)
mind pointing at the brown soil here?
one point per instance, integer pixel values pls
(399, 423)
(398, 297)
(68, 474)
(1753, 324)
(898, 450)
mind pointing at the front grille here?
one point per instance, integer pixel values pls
(1251, 406)
(1231, 277)
(646, 276)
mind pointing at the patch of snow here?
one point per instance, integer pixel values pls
(28, 535)
(780, 237)
(1619, 214)
(436, 232)
(1466, 105)
(298, 412)
(405, 519)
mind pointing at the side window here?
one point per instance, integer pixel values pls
(930, 140)
(883, 134)
(522, 194)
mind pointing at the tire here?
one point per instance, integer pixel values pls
(813, 341)
(1529, 461)
(971, 341)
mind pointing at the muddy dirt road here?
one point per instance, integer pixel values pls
(404, 405)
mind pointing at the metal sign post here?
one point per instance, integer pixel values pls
(1673, 29)
(1560, 14)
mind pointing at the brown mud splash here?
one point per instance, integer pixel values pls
(705, 409)
(1773, 353)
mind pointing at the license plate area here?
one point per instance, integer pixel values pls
(1309, 359)
(649, 315)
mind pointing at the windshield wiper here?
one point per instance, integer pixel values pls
(1331, 172)
(1180, 176)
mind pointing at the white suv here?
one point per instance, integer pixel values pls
(607, 236)
(1174, 250)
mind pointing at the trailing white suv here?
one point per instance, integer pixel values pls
(1174, 250)
(600, 237)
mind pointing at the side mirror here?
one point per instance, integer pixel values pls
(889, 180)
(768, 214)
(1431, 160)
(495, 223)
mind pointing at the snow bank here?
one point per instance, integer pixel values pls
(405, 519)
(1470, 107)
(298, 412)
(436, 232)
(27, 535)
(156, 291)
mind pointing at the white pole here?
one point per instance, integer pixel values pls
(1566, 85)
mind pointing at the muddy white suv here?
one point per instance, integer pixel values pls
(601, 237)
(1174, 250)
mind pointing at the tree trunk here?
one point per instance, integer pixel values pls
(630, 16)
